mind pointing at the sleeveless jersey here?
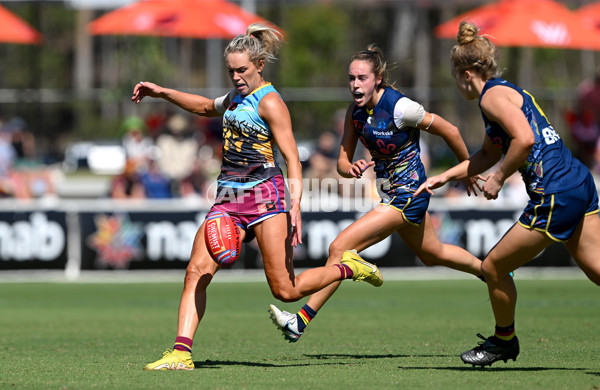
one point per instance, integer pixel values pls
(249, 155)
(396, 152)
(550, 167)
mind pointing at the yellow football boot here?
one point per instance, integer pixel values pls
(362, 270)
(173, 360)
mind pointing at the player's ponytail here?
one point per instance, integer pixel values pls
(261, 42)
(474, 52)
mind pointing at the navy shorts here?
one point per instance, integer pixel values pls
(558, 215)
(412, 208)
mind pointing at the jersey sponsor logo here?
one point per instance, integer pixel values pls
(266, 207)
(246, 109)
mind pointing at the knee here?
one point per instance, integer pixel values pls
(285, 294)
(490, 272)
(429, 260)
(336, 251)
(196, 276)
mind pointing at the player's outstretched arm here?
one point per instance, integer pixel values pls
(195, 104)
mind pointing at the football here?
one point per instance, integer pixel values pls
(222, 238)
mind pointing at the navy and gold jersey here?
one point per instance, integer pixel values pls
(249, 155)
(550, 167)
(395, 151)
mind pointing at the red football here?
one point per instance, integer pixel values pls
(222, 238)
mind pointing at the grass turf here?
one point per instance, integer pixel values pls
(406, 334)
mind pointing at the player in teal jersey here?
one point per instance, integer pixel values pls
(251, 188)
(388, 124)
(563, 205)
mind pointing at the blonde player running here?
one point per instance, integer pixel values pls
(251, 188)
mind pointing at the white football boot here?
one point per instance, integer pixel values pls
(286, 322)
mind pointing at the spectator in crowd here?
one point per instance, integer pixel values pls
(139, 148)
(127, 185)
(7, 159)
(21, 175)
(207, 163)
(156, 185)
(8, 155)
(323, 161)
(22, 141)
(585, 121)
(177, 149)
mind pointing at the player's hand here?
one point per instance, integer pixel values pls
(492, 187)
(431, 184)
(296, 220)
(358, 168)
(145, 88)
(472, 184)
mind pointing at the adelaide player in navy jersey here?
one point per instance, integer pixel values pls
(388, 124)
(251, 188)
(563, 205)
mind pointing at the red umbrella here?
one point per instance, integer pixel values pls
(15, 30)
(176, 18)
(590, 14)
(529, 23)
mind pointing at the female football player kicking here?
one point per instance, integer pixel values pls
(251, 188)
(563, 205)
(388, 124)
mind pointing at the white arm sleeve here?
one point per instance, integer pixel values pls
(408, 113)
(220, 102)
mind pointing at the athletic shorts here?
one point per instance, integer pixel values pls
(249, 206)
(558, 215)
(412, 208)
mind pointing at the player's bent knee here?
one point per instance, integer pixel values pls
(195, 275)
(491, 273)
(285, 294)
(429, 261)
(336, 250)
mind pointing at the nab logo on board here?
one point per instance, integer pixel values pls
(35, 238)
(120, 239)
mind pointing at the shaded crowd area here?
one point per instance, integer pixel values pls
(177, 155)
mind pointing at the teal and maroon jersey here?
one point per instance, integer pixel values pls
(550, 167)
(249, 155)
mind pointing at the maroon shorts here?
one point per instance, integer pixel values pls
(249, 206)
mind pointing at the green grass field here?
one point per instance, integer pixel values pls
(406, 334)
